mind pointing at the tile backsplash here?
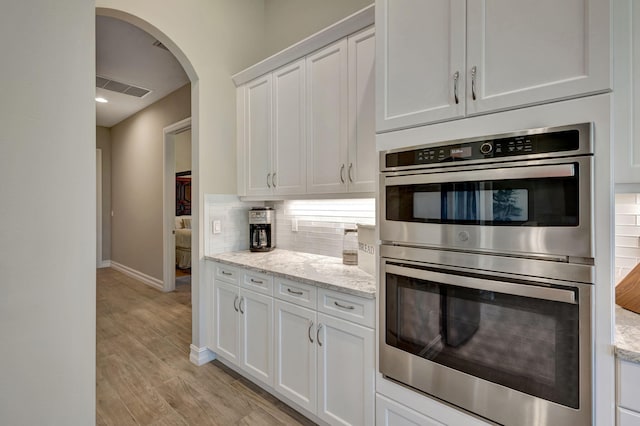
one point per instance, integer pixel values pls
(317, 226)
(234, 223)
(627, 234)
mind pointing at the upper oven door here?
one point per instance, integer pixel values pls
(540, 207)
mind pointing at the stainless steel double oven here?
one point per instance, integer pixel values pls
(487, 273)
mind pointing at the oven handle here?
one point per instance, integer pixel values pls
(531, 291)
(505, 173)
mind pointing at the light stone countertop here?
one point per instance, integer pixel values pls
(321, 271)
(627, 335)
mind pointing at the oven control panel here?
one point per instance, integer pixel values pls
(512, 146)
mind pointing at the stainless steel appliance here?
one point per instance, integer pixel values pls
(262, 227)
(487, 274)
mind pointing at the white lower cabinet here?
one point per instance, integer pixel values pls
(628, 389)
(345, 372)
(244, 329)
(390, 413)
(313, 347)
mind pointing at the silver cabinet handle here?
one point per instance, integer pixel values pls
(257, 281)
(342, 174)
(268, 177)
(350, 167)
(240, 305)
(273, 179)
(226, 273)
(474, 72)
(309, 331)
(235, 303)
(350, 307)
(318, 334)
(456, 77)
(297, 293)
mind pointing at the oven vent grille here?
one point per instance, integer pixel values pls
(116, 86)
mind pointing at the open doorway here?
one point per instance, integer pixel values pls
(177, 232)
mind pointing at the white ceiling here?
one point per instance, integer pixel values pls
(126, 54)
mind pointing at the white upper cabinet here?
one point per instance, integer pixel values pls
(494, 55)
(626, 114)
(526, 52)
(258, 135)
(289, 172)
(362, 168)
(420, 62)
(327, 119)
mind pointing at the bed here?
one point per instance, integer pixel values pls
(183, 242)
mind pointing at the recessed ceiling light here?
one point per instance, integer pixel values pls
(102, 100)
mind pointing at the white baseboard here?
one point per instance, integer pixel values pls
(105, 264)
(148, 280)
(201, 356)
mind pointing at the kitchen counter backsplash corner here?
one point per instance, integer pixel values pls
(321, 271)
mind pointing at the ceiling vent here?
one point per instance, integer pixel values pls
(116, 86)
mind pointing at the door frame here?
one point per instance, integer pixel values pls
(99, 261)
(169, 204)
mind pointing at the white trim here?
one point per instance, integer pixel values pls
(349, 25)
(201, 356)
(169, 207)
(105, 264)
(98, 207)
(146, 279)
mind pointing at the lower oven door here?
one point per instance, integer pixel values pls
(512, 351)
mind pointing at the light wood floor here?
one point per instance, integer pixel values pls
(143, 371)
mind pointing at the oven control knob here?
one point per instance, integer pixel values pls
(486, 148)
(463, 236)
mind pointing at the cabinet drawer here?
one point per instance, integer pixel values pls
(301, 294)
(260, 283)
(628, 418)
(227, 273)
(629, 378)
(348, 307)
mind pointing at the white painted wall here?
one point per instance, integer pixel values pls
(48, 211)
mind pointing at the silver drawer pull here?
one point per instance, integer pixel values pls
(257, 281)
(226, 273)
(309, 331)
(318, 334)
(297, 293)
(350, 307)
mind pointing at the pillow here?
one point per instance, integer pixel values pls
(187, 222)
(179, 224)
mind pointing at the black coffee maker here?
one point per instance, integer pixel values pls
(262, 229)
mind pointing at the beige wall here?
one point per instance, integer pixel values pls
(137, 171)
(103, 142)
(183, 151)
(48, 211)
(289, 21)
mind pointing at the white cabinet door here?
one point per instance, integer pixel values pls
(227, 324)
(626, 113)
(258, 136)
(420, 51)
(526, 52)
(296, 354)
(362, 168)
(289, 148)
(345, 372)
(256, 335)
(327, 119)
(390, 413)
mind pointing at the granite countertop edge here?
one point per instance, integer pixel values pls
(367, 292)
(627, 335)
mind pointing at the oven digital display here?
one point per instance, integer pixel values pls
(460, 152)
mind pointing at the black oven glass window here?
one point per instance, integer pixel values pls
(527, 344)
(522, 202)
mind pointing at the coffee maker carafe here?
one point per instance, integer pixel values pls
(262, 226)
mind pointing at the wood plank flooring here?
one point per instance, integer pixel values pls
(143, 372)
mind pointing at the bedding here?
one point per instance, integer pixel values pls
(183, 242)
